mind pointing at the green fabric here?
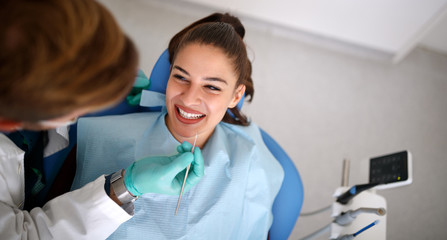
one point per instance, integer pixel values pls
(141, 82)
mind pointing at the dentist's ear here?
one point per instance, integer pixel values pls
(9, 125)
(240, 90)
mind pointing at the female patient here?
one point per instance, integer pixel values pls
(210, 72)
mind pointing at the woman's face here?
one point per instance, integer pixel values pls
(201, 87)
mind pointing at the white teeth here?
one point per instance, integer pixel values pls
(189, 115)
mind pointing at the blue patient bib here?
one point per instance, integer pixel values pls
(232, 201)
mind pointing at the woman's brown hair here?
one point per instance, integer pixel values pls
(225, 32)
(58, 56)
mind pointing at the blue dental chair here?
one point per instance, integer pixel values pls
(288, 202)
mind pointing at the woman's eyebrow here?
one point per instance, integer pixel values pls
(216, 79)
(181, 70)
(207, 78)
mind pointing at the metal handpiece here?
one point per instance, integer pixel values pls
(186, 176)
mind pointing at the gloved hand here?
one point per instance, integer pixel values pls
(165, 174)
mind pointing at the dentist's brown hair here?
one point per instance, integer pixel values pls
(57, 56)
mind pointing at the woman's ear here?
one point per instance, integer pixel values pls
(240, 90)
(8, 125)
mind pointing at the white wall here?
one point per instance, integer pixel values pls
(323, 106)
(393, 27)
(337, 107)
(436, 38)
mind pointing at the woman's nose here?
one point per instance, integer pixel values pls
(192, 95)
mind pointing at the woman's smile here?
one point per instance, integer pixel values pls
(188, 116)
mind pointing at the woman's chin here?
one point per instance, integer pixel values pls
(183, 134)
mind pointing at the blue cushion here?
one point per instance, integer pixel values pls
(288, 202)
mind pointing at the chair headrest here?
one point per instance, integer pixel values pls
(160, 73)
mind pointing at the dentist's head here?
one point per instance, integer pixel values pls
(60, 60)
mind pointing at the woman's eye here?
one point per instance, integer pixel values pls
(179, 77)
(212, 88)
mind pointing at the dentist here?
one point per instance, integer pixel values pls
(60, 60)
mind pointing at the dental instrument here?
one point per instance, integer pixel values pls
(353, 191)
(365, 228)
(186, 175)
(347, 217)
(352, 236)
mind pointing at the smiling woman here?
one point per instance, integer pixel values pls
(200, 91)
(210, 73)
(225, 32)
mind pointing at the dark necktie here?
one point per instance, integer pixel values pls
(33, 144)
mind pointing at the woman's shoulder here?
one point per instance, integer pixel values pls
(249, 138)
(250, 133)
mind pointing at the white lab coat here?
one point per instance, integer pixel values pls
(87, 213)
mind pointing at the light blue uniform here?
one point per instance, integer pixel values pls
(232, 201)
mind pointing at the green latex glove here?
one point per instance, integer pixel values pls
(165, 174)
(141, 82)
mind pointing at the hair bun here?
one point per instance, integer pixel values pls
(225, 18)
(233, 21)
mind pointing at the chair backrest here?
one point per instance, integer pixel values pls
(288, 202)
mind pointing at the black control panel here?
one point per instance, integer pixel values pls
(389, 168)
